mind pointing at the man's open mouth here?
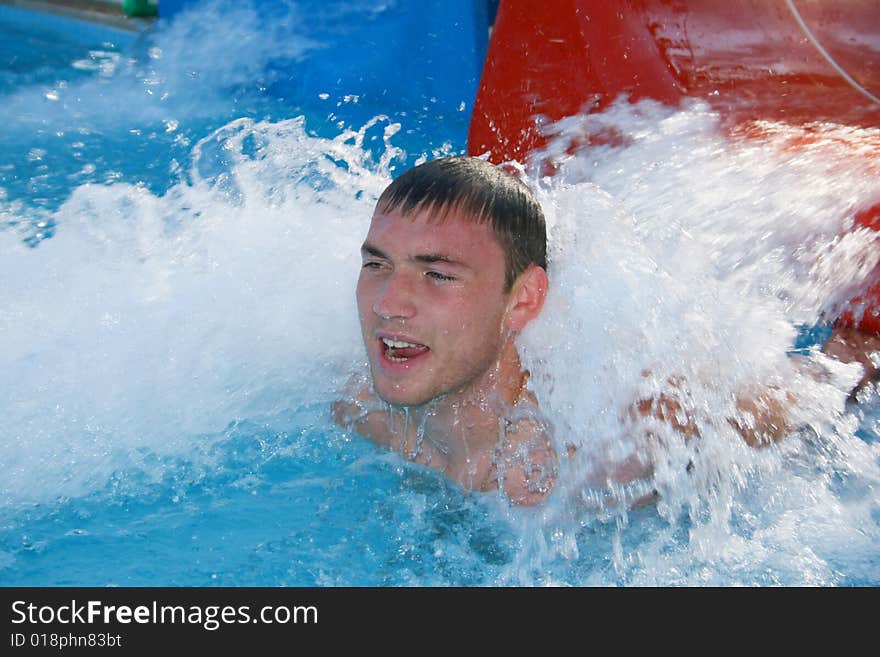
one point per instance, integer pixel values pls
(398, 351)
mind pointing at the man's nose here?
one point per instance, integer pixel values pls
(396, 299)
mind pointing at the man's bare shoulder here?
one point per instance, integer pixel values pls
(528, 463)
(360, 410)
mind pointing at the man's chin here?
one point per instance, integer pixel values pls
(400, 396)
(403, 401)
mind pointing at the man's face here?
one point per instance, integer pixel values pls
(431, 302)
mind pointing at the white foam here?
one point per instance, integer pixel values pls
(147, 319)
(687, 252)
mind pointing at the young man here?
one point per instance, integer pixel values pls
(454, 267)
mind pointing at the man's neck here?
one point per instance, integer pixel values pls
(471, 415)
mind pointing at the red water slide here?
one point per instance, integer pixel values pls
(786, 60)
(791, 62)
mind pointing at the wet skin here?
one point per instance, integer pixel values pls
(431, 300)
(439, 326)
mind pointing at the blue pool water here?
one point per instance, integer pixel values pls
(178, 248)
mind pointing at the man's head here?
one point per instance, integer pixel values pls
(453, 268)
(481, 192)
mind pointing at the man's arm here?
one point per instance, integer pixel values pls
(849, 344)
(763, 416)
(765, 411)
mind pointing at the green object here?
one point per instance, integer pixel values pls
(140, 8)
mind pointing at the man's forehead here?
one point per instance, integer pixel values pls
(442, 224)
(421, 236)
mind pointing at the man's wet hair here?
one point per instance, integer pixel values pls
(480, 190)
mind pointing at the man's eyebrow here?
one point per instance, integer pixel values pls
(430, 258)
(369, 249)
(424, 258)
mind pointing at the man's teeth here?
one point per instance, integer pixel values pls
(400, 351)
(397, 344)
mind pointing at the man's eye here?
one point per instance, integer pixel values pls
(371, 264)
(436, 275)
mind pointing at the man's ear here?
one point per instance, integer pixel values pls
(526, 298)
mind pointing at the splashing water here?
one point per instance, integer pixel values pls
(683, 251)
(170, 351)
